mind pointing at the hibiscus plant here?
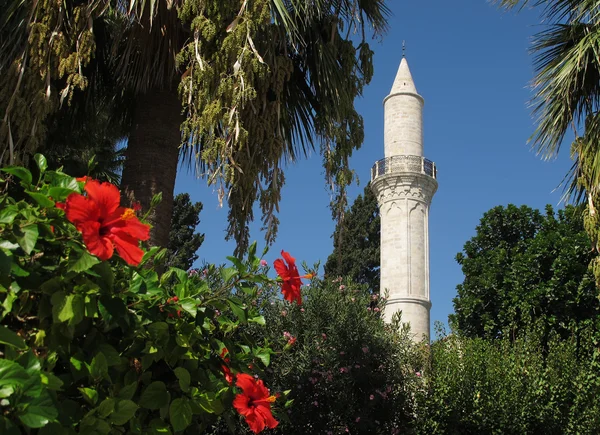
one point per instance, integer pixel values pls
(94, 341)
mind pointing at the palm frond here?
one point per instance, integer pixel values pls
(567, 86)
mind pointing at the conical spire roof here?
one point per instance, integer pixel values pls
(404, 81)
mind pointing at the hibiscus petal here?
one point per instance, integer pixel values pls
(281, 269)
(288, 258)
(105, 195)
(134, 228)
(127, 247)
(79, 209)
(99, 246)
(256, 422)
(291, 290)
(241, 404)
(245, 382)
(265, 414)
(262, 392)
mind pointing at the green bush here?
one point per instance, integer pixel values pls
(348, 371)
(528, 386)
(103, 347)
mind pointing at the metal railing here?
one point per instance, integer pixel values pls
(403, 164)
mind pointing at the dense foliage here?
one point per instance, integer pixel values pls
(184, 241)
(356, 241)
(477, 386)
(99, 347)
(345, 369)
(348, 370)
(526, 270)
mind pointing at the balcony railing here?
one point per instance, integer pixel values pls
(394, 164)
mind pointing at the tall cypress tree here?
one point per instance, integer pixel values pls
(356, 243)
(184, 242)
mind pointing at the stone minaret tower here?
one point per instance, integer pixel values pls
(404, 184)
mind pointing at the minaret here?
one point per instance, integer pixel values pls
(404, 184)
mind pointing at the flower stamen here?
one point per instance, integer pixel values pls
(128, 214)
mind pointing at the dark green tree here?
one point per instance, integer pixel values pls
(526, 270)
(356, 243)
(184, 242)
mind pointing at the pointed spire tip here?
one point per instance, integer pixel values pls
(403, 81)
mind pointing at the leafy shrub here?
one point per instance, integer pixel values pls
(477, 386)
(348, 371)
(99, 347)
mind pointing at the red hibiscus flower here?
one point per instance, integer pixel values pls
(104, 224)
(226, 370)
(291, 278)
(254, 403)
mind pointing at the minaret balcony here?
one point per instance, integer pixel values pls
(398, 164)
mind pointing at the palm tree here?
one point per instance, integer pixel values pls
(567, 95)
(237, 88)
(567, 81)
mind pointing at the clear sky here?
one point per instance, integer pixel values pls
(470, 62)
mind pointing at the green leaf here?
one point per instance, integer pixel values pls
(18, 270)
(258, 319)
(5, 263)
(41, 162)
(90, 395)
(91, 425)
(41, 199)
(59, 179)
(190, 306)
(19, 172)
(155, 396)
(210, 404)
(5, 244)
(8, 214)
(68, 308)
(112, 356)
(238, 264)
(128, 391)
(51, 381)
(239, 312)
(106, 407)
(180, 414)
(159, 427)
(184, 378)
(39, 412)
(227, 273)
(99, 366)
(123, 412)
(27, 237)
(159, 333)
(12, 376)
(84, 262)
(9, 337)
(106, 273)
(252, 251)
(264, 355)
(60, 193)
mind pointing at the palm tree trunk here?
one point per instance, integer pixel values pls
(152, 156)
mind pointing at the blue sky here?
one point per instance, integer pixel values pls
(470, 62)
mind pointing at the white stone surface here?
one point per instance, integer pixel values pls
(403, 119)
(404, 196)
